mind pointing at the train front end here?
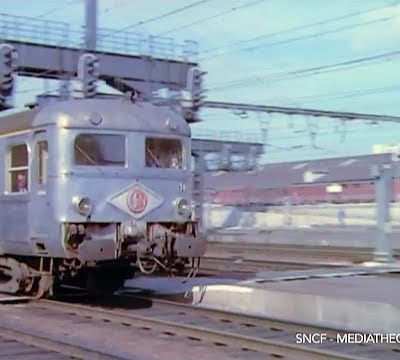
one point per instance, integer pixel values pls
(125, 188)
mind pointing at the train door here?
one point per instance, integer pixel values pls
(40, 211)
(14, 229)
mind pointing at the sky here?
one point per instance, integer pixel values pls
(267, 52)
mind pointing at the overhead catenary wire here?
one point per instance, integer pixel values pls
(159, 17)
(54, 10)
(299, 130)
(170, 13)
(301, 27)
(362, 133)
(339, 95)
(366, 92)
(299, 126)
(211, 17)
(329, 126)
(315, 70)
(121, 4)
(305, 37)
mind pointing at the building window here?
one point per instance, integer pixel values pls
(42, 156)
(18, 180)
(164, 153)
(99, 150)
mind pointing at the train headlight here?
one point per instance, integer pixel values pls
(183, 207)
(83, 206)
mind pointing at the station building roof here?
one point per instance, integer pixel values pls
(333, 170)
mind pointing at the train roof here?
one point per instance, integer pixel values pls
(17, 121)
(115, 114)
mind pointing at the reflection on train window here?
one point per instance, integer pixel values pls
(42, 157)
(164, 153)
(18, 169)
(99, 150)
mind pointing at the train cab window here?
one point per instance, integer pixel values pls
(99, 150)
(18, 169)
(164, 153)
(41, 154)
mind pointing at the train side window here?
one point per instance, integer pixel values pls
(18, 169)
(42, 156)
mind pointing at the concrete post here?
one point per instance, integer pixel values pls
(225, 156)
(65, 90)
(90, 24)
(288, 211)
(383, 190)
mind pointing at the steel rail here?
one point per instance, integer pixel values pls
(14, 299)
(57, 346)
(350, 253)
(271, 323)
(273, 246)
(267, 246)
(289, 263)
(276, 324)
(269, 346)
(244, 264)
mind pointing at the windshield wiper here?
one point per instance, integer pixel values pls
(93, 162)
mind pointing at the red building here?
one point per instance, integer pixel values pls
(336, 180)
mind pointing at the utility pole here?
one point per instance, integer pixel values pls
(383, 190)
(90, 24)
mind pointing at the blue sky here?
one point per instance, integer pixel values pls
(245, 63)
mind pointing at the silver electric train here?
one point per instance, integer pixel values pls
(92, 190)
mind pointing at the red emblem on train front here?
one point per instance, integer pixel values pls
(136, 200)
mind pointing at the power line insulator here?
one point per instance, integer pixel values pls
(8, 57)
(195, 79)
(88, 73)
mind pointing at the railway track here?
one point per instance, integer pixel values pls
(21, 345)
(211, 264)
(250, 336)
(275, 251)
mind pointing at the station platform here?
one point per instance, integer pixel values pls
(362, 298)
(358, 298)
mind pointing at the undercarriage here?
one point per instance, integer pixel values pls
(43, 276)
(167, 248)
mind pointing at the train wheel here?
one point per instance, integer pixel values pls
(18, 277)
